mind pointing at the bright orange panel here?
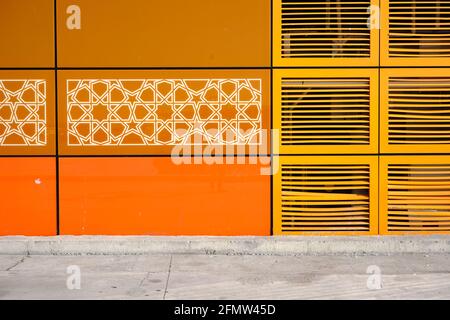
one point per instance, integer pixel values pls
(28, 189)
(142, 33)
(154, 196)
(27, 33)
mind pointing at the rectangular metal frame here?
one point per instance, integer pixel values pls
(372, 161)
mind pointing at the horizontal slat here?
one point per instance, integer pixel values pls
(413, 181)
(324, 141)
(292, 182)
(420, 223)
(327, 188)
(326, 214)
(336, 210)
(326, 220)
(324, 55)
(424, 228)
(419, 207)
(325, 223)
(415, 201)
(289, 228)
(322, 171)
(412, 214)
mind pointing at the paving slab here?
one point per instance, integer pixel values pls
(309, 277)
(101, 277)
(199, 277)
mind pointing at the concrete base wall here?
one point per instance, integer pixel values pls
(292, 245)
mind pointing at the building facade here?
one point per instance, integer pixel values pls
(214, 117)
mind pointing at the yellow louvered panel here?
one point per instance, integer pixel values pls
(325, 32)
(326, 111)
(415, 108)
(325, 195)
(418, 33)
(414, 194)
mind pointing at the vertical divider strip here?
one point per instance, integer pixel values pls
(55, 34)
(379, 107)
(271, 118)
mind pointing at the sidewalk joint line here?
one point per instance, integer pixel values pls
(168, 277)
(17, 263)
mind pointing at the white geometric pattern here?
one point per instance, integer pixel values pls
(140, 112)
(23, 112)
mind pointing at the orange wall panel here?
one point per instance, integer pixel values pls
(152, 111)
(142, 33)
(28, 189)
(27, 33)
(154, 196)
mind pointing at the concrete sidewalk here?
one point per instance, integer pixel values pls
(410, 276)
(414, 267)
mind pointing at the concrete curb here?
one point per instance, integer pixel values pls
(292, 245)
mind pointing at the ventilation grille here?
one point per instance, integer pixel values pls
(419, 28)
(419, 111)
(418, 197)
(325, 29)
(325, 198)
(319, 111)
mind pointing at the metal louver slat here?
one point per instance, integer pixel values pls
(414, 194)
(418, 33)
(415, 106)
(325, 195)
(325, 32)
(326, 111)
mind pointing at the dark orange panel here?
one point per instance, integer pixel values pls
(27, 112)
(154, 196)
(28, 189)
(27, 33)
(142, 33)
(156, 111)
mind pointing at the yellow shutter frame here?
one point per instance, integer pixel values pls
(325, 195)
(415, 33)
(326, 33)
(415, 110)
(414, 195)
(326, 111)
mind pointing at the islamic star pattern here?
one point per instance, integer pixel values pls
(23, 113)
(140, 112)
